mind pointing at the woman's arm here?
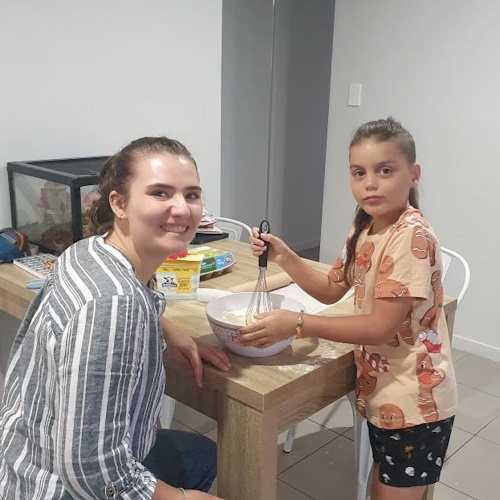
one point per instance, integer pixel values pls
(188, 353)
(163, 491)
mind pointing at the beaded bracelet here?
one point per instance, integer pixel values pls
(183, 491)
(298, 326)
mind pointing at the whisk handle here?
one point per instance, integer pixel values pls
(264, 228)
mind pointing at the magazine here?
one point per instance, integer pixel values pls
(39, 264)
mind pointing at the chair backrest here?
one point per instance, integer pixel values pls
(237, 230)
(450, 256)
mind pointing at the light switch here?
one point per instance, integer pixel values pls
(354, 98)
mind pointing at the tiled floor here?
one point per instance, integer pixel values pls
(321, 465)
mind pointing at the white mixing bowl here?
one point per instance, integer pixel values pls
(227, 332)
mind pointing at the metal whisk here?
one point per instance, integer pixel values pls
(261, 300)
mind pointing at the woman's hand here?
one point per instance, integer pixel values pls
(164, 491)
(199, 495)
(189, 353)
(269, 328)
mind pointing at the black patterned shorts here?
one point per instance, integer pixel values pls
(412, 456)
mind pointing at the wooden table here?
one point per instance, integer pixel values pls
(258, 397)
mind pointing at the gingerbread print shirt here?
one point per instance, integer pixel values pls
(410, 380)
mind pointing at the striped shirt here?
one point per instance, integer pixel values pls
(84, 383)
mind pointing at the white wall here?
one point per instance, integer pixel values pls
(84, 78)
(436, 67)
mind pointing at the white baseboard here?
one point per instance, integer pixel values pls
(478, 348)
(304, 245)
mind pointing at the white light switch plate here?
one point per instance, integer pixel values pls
(354, 98)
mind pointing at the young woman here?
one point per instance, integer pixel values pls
(405, 380)
(85, 376)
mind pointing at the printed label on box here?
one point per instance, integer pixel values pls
(179, 278)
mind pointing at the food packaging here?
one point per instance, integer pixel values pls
(179, 278)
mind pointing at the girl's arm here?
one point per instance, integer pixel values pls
(376, 328)
(314, 282)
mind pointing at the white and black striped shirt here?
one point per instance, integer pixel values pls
(84, 383)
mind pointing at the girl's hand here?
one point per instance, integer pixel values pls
(278, 249)
(269, 328)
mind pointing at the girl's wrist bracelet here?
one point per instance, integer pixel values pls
(183, 491)
(298, 326)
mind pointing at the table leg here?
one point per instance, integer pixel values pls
(247, 452)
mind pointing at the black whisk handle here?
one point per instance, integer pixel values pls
(264, 228)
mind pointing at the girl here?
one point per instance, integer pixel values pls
(85, 376)
(405, 383)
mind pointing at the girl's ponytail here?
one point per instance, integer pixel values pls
(361, 219)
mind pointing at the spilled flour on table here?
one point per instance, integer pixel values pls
(328, 352)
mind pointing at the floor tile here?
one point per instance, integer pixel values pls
(349, 433)
(476, 409)
(213, 488)
(479, 373)
(473, 470)
(491, 432)
(326, 474)
(310, 437)
(283, 492)
(178, 426)
(193, 419)
(443, 492)
(286, 492)
(337, 416)
(457, 354)
(458, 438)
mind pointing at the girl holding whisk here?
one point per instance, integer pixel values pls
(405, 383)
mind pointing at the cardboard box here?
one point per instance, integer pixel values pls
(179, 278)
(214, 260)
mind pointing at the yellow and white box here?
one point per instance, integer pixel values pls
(179, 278)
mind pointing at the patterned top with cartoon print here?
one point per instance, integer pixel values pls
(410, 380)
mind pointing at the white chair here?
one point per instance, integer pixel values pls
(237, 231)
(362, 452)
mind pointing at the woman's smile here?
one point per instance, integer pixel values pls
(174, 229)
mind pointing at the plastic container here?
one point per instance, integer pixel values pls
(49, 199)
